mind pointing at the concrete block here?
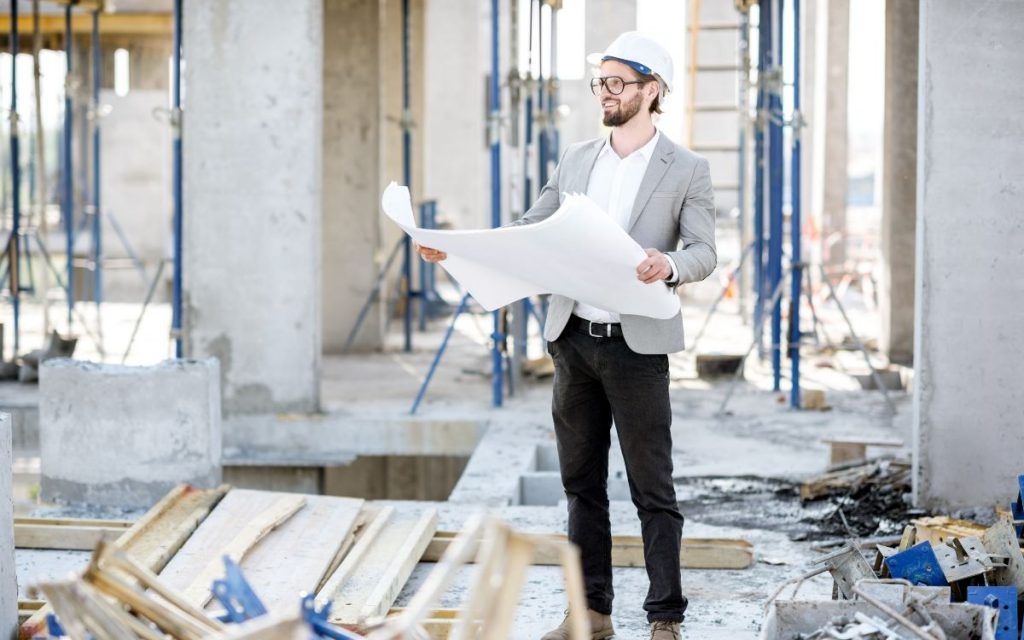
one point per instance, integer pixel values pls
(120, 436)
(8, 575)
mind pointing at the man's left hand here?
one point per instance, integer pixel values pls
(654, 268)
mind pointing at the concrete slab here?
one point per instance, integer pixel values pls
(123, 436)
(8, 573)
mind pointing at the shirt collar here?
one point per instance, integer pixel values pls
(646, 151)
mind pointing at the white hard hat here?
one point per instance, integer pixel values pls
(642, 53)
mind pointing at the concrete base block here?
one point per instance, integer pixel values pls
(8, 575)
(119, 436)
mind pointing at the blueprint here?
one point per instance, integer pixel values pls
(578, 252)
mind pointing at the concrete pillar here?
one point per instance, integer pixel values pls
(351, 242)
(970, 293)
(121, 436)
(457, 169)
(899, 182)
(828, 129)
(8, 574)
(252, 137)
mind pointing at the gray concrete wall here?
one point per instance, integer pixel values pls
(123, 436)
(8, 573)
(351, 170)
(970, 294)
(253, 136)
(899, 183)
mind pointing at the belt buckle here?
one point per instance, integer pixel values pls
(590, 329)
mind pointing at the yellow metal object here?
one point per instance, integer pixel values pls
(110, 23)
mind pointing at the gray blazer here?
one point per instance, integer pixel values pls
(675, 205)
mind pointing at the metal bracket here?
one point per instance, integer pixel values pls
(918, 565)
(240, 602)
(1017, 507)
(1003, 600)
(847, 566)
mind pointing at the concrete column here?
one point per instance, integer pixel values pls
(970, 293)
(899, 182)
(123, 436)
(352, 179)
(457, 169)
(8, 574)
(252, 138)
(828, 128)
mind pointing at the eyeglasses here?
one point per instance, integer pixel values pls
(614, 84)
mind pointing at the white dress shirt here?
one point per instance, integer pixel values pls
(613, 185)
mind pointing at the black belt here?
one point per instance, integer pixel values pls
(595, 329)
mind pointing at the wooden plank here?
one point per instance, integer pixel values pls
(370, 579)
(55, 533)
(155, 537)
(289, 560)
(942, 529)
(283, 508)
(628, 551)
(366, 516)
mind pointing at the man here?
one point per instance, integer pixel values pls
(611, 368)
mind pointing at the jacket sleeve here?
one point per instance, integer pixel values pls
(547, 202)
(697, 258)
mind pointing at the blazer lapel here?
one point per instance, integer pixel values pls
(656, 168)
(578, 181)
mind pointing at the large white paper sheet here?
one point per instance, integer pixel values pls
(578, 252)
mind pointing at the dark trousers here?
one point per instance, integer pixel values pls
(598, 380)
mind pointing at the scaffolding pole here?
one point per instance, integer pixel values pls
(176, 185)
(495, 140)
(407, 176)
(14, 246)
(796, 258)
(759, 169)
(68, 201)
(97, 225)
(775, 178)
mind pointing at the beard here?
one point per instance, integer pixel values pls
(624, 112)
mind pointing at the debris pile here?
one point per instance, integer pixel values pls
(945, 577)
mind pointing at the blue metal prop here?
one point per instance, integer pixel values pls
(53, 626)
(1004, 600)
(317, 620)
(235, 594)
(1018, 507)
(917, 564)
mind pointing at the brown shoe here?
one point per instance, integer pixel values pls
(600, 627)
(664, 630)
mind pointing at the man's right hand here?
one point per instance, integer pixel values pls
(428, 254)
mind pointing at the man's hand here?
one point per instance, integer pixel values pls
(654, 268)
(428, 254)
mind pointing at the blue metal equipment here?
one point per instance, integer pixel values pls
(495, 139)
(795, 252)
(1002, 599)
(235, 594)
(97, 226)
(67, 201)
(919, 565)
(176, 124)
(14, 242)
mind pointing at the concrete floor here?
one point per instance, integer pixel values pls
(758, 437)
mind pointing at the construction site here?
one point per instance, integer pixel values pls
(464, 318)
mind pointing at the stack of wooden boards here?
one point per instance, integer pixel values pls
(354, 554)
